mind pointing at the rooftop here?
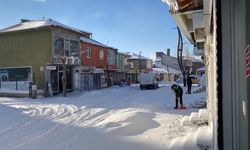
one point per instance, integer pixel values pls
(91, 41)
(26, 24)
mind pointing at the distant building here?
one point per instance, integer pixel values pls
(138, 63)
(111, 67)
(122, 68)
(190, 64)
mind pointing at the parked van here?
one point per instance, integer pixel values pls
(148, 80)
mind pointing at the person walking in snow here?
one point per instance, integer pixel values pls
(189, 83)
(178, 92)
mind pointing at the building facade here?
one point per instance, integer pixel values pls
(43, 48)
(197, 20)
(120, 75)
(111, 67)
(94, 61)
(136, 65)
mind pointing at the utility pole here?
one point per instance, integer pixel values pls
(140, 61)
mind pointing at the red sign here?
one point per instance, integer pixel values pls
(247, 63)
(112, 67)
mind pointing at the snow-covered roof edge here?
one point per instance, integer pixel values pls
(26, 24)
(136, 56)
(92, 41)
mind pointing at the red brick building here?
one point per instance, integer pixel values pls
(94, 53)
(94, 57)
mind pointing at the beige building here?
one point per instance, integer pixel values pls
(39, 47)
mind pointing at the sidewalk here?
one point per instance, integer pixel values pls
(17, 93)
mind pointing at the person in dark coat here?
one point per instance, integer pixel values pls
(177, 90)
(189, 83)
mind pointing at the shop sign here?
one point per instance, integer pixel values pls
(98, 70)
(112, 67)
(50, 67)
(247, 62)
(42, 68)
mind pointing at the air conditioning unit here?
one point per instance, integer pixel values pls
(70, 60)
(77, 61)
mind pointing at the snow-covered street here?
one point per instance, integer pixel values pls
(116, 118)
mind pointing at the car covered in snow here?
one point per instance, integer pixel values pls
(148, 80)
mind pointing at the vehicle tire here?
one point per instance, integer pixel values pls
(141, 87)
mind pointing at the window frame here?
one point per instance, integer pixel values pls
(101, 54)
(88, 52)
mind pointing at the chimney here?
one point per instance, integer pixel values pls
(168, 52)
(24, 20)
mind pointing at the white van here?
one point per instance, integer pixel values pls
(148, 80)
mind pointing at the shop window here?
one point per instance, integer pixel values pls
(58, 45)
(11, 74)
(101, 54)
(88, 52)
(74, 48)
(66, 47)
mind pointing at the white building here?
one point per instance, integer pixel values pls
(197, 21)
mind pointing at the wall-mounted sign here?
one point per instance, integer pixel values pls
(112, 67)
(50, 67)
(247, 62)
(98, 70)
(41, 68)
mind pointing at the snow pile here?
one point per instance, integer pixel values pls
(202, 103)
(204, 137)
(200, 139)
(202, 84)
(200, 118)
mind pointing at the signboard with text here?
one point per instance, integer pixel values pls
(50, 67)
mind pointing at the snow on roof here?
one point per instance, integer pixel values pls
(91, 41)
(112, 48)
(165, 69)
(159, 65)
(34, 24)
(135, 56)
(125, 54)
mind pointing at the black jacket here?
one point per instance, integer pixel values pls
(189, 80)
(177, 90)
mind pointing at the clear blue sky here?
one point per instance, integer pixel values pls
(129, 25)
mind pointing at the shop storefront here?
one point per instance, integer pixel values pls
(92, 78)
(53, 78)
